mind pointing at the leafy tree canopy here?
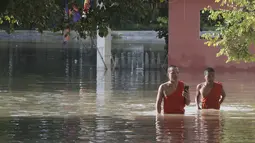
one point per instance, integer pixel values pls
(49, 15)
(235, 32)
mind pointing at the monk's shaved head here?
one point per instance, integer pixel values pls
(172, 67)
(208, 70)
(209, 74)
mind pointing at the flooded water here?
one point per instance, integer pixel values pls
(64, 99)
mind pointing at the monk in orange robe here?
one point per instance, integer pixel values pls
(210, 92)
(173, 94)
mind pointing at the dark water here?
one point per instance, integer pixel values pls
(54, 96)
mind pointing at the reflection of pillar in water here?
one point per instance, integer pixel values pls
(16, 55)
(10, 67)
(71, 127)
(131, 78)
(67, 66)
(104, 86)
(15, 133)
(100, 91)
(91, 72)
(158, 132)
(153, 77)
(147, 60)
(116, 78)
(129, 59)
(122, 58)
(117, 60)
(133, 61)
(73, 61)
(158, 60)
(44, 129)
(137, 76)
(81, 66)
(146, 80)
(158, 76)
(122, 78)
(153, 64)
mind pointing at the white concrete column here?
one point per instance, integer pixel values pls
(103, 89)
(104, 45)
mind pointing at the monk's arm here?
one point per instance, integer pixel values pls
(223, 95)
(159, 99)
(187, 98)
(198, 96)
(187, 101)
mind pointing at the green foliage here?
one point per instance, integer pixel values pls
(207, 24)
(236, 33)
(49, 15)
(40, 15)
(112, 12)
(162, 30)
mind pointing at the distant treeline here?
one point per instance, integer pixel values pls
(148, 22)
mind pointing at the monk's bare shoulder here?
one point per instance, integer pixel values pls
(163, 86)
(200, 85)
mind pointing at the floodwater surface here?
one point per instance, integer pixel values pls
(80, 104)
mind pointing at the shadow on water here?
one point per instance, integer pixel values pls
(62, 98)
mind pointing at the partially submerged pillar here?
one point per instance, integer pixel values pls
(104, 45)
(103, 89)
(104, 77)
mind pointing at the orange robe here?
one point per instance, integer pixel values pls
(175, 103)
(211, 101)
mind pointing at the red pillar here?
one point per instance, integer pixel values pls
(185, 48)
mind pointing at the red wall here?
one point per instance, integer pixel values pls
(186, 49)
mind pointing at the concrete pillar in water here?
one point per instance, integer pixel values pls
(103, 89)
(104, 45)
(104, 77)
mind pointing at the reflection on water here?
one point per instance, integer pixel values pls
(64, 99)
